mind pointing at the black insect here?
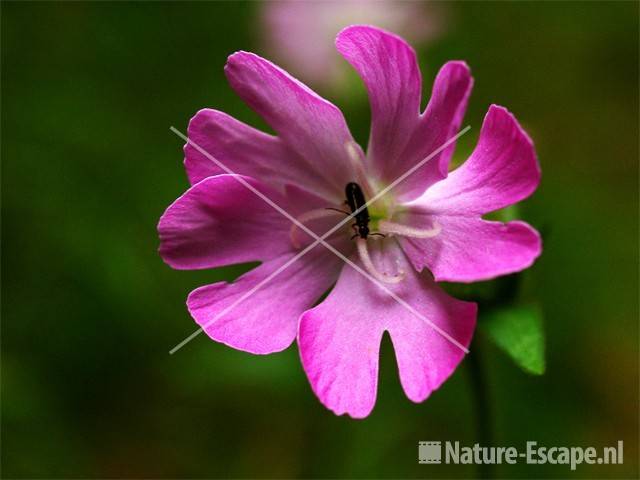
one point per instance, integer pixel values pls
(355, 200)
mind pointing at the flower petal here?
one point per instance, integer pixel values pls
(470, 249)
(501, 171)
(400, 136)
(220, 222)
(243, 149)
(426, 358)
(438, 124)
(339, 339)
(309, 125)
(389, 69)
(266, 320)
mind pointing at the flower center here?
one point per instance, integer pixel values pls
(379, 210)
(369, 219)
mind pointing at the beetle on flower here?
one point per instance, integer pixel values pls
(432, 220)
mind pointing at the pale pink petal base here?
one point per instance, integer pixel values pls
(339, 340)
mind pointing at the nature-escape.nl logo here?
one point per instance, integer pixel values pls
(454, 453)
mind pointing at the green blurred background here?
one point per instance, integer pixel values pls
(89, 310)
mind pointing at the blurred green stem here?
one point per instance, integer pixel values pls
(481, 401)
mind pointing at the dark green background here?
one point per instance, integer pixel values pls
(89, 310)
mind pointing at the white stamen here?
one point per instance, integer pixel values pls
(355, 155)
(370, 267)
(304, 218)
(386, 226)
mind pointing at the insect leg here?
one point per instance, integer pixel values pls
(338, 210)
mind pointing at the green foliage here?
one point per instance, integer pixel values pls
(518, 331)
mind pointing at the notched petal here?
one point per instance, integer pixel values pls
(340, 338)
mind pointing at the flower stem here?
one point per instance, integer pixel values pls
(481, 401)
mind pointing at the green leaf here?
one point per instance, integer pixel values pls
(518, 331)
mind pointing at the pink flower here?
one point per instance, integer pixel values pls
(431, 220)
(299, 34)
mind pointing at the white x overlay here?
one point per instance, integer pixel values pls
(319, 239)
